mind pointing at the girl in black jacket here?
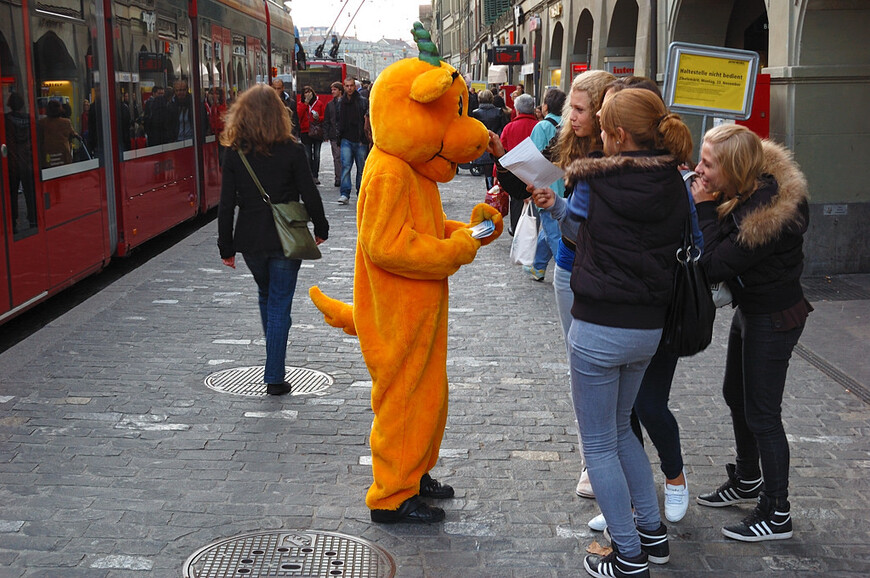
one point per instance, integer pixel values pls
(752, 207)
(258, 126)
(630, 210)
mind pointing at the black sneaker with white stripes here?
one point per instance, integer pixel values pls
(653, 544)
(734, 491)
(616, 565)
(770, 520)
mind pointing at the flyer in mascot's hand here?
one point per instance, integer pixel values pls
(483, 229)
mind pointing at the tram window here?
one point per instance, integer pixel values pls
(55, 134)
(152, 62)
(64, 79)
(18, 112)
(320, 78)
(63, 8)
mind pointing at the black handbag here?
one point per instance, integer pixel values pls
(689, 324)
(291, 223)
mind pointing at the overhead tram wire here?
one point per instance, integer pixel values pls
(333, 52)
(318, 52)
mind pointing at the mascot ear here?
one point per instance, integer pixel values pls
(431, 85)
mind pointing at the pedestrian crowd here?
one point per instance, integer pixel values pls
(630, 198)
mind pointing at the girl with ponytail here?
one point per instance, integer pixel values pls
(629, 211)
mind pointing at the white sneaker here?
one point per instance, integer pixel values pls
(598, 523)
(584, 488)
(676, 500)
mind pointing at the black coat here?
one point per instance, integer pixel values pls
(758, 248)
(286, 177)
(492, 118)
(625, 260)
(351, 117)
(330, 120)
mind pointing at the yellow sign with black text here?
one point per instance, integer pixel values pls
(711, 82)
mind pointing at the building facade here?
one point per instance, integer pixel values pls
(816, 54)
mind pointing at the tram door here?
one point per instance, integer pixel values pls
(23, 264)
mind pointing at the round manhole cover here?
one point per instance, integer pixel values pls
(291, 553)
(249, 381)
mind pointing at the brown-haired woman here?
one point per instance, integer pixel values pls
(630, 210)
(752, 205)
(258, 126)
(311, 111)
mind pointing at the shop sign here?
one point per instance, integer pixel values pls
(508, 54)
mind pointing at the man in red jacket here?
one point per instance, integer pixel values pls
(513, 134)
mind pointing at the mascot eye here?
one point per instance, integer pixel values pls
(461, 102)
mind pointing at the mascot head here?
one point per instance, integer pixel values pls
(419, 113)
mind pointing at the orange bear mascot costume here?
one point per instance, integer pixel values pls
(406, 249)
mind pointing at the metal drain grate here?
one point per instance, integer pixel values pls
(297, 553)
(847, 382)
(249, 381)
(833, 289)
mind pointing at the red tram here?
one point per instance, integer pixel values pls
(320, 74)
(111, 114)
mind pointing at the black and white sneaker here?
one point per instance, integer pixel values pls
(616, 565)
(653, 544)
(769, 521)
(734, 491)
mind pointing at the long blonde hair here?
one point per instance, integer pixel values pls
(256, 121)
(738, 152)
(643, 115)
(571, 147)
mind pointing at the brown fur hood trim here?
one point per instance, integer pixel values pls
(583, 169)
(765, 223)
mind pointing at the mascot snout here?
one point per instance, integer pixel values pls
(465, 140)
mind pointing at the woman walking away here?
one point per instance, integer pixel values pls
(752, 207)
(258, 127)
(629, 210)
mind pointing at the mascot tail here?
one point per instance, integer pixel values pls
(335, 312)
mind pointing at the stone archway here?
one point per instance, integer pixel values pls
(52, 60)
(583, 38)
(553, 71)
(833, 37)
(733, 24)
(619, 52)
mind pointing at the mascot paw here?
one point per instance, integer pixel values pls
(469, 245)
(481, 212)
(335, 312)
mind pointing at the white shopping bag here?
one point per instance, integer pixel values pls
(525, 239)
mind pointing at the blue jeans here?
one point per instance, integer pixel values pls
(654, 414)
(564, 298)
(755, 372)
(607, 366)
(352, 152)
(275, 275)
(548, 240)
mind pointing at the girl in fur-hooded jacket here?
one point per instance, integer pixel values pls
(758, 247)
(753, 240)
